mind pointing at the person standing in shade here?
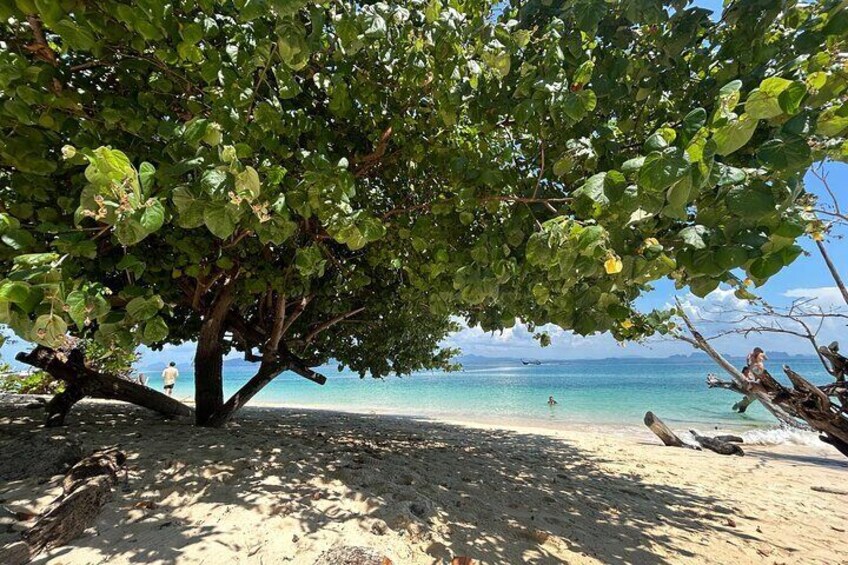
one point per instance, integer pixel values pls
(169, 375)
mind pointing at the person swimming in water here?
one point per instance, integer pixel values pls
(551, 401)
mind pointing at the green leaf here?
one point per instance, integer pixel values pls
(791, 98)
(563, 165)
(247, 183)
(49, 330)
(130, 231)
(14, 291)
(195, 129)
(31, 260)
(153, 216)
(693, 236)
(763, 102)
(785, 153)
(541, 293)
(692, 123)
(212, 182)
(833, 122)
(83, 308)
(762, 105)
(498, 61)
(142, 309)
(734, 135)
(221, 218)
(662, 169)
(765, 267)
(752, 202)
(189, 207)
(146, 172)
(75, 36)
(155, 330)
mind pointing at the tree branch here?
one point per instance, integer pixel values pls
(833, 272)
(313, 333)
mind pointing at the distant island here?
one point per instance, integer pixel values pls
(237, 364)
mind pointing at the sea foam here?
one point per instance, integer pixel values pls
(781, 436)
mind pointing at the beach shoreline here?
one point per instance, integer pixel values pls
(283, 485)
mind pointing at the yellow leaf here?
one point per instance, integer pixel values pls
(626, 324)
(613, 265)
(818, 236)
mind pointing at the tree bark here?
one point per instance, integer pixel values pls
(662, 431)
(70, 367)
(59, 406)
(267, 372)
(840, 284)
(209, 358)
(743, 404)
(86, 488)
(270, 367)
(815, 407)
(717, 445)
(740, 406)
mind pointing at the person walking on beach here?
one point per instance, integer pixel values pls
(169, 375)
(551, 401)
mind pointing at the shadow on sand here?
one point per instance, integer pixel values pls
(497, 496)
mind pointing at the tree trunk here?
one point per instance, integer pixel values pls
(269, 369)
(82, 381)
(267, 372)
(209, 359)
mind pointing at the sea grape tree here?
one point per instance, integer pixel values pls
(304, 181)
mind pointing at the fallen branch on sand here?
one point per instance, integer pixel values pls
(724, 445)
(829, 490)
(86, 488)
(717, 445)
(81, 381)
(663, 432)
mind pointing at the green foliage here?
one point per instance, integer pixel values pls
(410, 162)
(37, 382)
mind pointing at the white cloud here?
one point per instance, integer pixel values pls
(824, 296)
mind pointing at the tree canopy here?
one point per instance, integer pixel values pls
(305, 181)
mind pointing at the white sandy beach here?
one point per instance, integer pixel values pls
(284, 485)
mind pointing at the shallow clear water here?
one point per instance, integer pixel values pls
(608, 392)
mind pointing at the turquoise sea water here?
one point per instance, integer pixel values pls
(607, 392)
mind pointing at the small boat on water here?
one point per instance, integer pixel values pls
(530, 362)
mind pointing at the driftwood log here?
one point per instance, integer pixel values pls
(81, 381)
(663, 432)
(717, 445)
(725, 445)
(86, 488)
(815, 407)
(838, 362)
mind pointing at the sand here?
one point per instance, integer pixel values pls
(282, 486)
